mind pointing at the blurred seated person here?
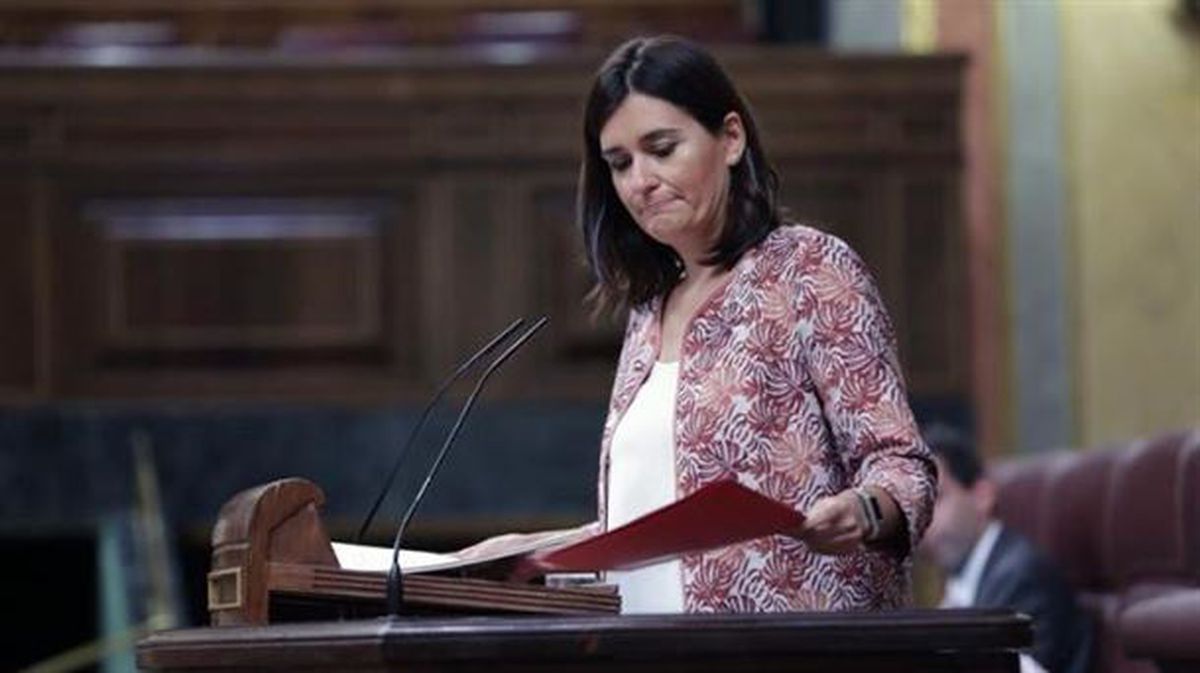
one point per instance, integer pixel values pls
(990, 566)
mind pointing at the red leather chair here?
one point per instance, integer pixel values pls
(1021, 488)
(1124, 522)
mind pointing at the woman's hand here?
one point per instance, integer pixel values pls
(835, 525)
(525, 542)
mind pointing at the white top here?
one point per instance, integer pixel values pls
(962, 588)
(641, 478)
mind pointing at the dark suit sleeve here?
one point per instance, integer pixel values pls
(1022, 579)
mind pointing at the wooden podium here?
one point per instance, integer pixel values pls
(272, 561)
(270, 546)
(979, 641)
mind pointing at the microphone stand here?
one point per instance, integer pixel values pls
(412, 435)
(395, 580)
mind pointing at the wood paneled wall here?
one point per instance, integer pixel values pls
(250, 227)
(317, 24)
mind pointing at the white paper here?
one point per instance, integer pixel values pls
(379, 559)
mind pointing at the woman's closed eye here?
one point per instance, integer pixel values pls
(618, 164)
(663, 150)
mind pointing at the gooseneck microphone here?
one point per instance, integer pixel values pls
(395, 582)
(412, 435)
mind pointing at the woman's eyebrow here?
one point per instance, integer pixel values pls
(659, 134)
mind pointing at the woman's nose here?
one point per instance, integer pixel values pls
(643, 176)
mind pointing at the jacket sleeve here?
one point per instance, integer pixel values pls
(1019, 578)
(851, 357)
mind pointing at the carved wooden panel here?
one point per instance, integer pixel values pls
(583, 345)
(224, 226)
(190, 294)
(228, 274)
(482, 240)
(935, 336)
(327, 24)
(18, 278)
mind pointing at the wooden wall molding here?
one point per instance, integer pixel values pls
(468, 170)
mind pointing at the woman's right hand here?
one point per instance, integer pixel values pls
(520, 543)
(834, 525)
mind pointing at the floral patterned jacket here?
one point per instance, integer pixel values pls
(788, 381)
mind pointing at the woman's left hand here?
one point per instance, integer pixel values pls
(834, 525)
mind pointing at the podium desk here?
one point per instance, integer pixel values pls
(979, 641)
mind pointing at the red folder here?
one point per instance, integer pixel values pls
(716, 515)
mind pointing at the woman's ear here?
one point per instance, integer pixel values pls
(733, 133)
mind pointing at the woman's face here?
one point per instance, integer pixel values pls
(671, 174)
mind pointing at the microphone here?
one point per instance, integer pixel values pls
(395, 583)
(412, 435)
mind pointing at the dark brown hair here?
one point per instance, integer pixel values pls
(630, 267)
(956, 450)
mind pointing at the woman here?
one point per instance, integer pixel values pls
(753, 350)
